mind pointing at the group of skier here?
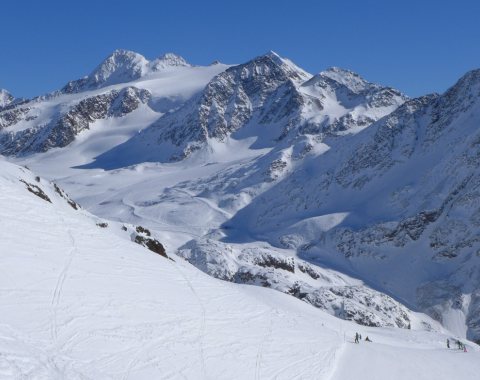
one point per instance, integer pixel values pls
(358, 338)
(459, 344)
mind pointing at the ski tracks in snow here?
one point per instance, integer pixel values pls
(266, 337)
(334, 362)
(57, 292)
(202, 322)
(201, 333)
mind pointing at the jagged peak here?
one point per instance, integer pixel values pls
(124, 61)
(337, 76)
(5, 97)
(469, 81)
(168, 60)
(345, 77)
(124, 53)
(471, 75)
(4, 92)
(274, 57)
(272, 60)
(465, 93)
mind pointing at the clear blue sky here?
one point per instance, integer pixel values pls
(416, 46)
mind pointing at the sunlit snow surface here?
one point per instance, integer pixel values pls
(83, 302)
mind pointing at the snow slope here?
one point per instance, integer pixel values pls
(80, 301)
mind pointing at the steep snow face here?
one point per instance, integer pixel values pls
(5, 98)
(123, 66)
(80, 300)
(268, 100)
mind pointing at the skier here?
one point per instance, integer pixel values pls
(356, 338)
(448, 343)
(367, 339)
(464, 348)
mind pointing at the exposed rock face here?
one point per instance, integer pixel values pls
(62, 131)
(144, 237)
(11, 116)
(35, 189)
(323, 289)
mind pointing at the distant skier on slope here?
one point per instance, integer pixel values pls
(356, 338)
(448, 343)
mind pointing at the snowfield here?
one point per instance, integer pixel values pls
(80, 301)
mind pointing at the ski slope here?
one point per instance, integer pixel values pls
(83, 302)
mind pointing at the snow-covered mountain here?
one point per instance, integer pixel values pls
(123, 66)
(125, 82)
(269, 99)
(337, 191)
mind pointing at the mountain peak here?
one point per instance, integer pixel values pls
(272, 60)
(119, 66)
(345, 77)
(464, 94)
(274, 56)
(468, 83)
(5, 98)
(124, 53)
(123, 66)
(168, 60)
